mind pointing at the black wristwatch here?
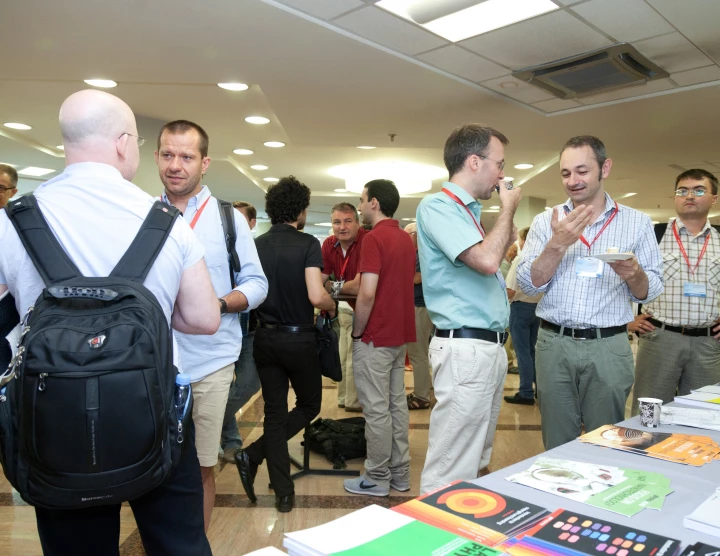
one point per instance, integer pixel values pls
(357, 337)
(223, 306)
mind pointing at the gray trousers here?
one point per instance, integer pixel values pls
(581, 382)
(418, 353)
(668, 362)
(380, 381)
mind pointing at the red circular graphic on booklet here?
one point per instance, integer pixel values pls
(480, 503)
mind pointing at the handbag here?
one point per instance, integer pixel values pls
(328, 349)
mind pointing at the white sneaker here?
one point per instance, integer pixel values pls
(400, 486)
(362, 485)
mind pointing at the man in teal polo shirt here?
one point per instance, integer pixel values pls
(466, 298)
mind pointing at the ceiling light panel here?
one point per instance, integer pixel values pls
(257, 120)
(274, 144)
(409, 177)
(233, 86)
(471, 21)
(16, 125)
(34, 171)
(102, 83)
(243, 152)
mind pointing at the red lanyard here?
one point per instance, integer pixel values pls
(459, 202)
(589, 245)
(682, 250)
(198, 213)
(347, 260)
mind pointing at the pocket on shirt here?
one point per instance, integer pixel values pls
(714, 274)
(671, 267)
(215, 250)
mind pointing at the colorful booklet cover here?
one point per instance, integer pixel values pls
(622, 491)
(376, 531)
(470, 511)
(570, 533)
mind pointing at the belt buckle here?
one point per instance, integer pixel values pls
(578, 339)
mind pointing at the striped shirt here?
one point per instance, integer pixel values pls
(674, 308)
(581, 302)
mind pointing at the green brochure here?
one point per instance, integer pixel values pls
(630, 497)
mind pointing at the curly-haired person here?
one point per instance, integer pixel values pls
(284, 347)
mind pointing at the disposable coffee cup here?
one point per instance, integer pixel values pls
(337, 288)
(650, 412)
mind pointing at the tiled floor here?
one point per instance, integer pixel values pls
(238, 527)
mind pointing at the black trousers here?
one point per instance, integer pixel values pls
(169, 518)
(281, 357)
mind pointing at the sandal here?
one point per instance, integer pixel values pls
(417, 403)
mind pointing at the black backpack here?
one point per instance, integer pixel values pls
(90, 418)
(338, 440)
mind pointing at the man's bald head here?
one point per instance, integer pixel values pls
(99, 127)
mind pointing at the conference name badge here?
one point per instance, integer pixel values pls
(693, 289)
(587, 267)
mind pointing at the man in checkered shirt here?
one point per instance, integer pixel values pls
(679, 348)
(583, 357)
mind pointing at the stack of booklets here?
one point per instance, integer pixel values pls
(707, 397)
(706, 518)
(376, 531)
(677, 448)
(623, 491)
(708, 419)
(565, 533)
(700, 549)
(473, 512)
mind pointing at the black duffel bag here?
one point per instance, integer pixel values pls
(338, 440)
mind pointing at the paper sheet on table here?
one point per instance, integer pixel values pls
(700, 418)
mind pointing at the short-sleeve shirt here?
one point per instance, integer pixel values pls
(334, 259)
(95, 214)
(389, 252)
(456, 295)
(419, 299)
(284, 254)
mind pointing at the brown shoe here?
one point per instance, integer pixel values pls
(415, 402)
(353, 409)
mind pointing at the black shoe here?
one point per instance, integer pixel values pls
(517, 398)
(247, 469)
(285, 504)
(513, 370)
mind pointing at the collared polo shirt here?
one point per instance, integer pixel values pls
(456, 295)
(95, 215)
(285, 253)
(389, 252)
(334, 259)
(203, 355)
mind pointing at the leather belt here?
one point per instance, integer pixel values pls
(684, 330)
(288, 328)
(585, 333)
(474, 334)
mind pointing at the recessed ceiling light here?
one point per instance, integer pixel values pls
(258, 167)
(469, 22)
(626, 195)
(60, 147)
(366, 147)
(495, 207)
(274, 144)
(15, 125)
(328, 224)
(508, 178)
(257, 120)
(35, 171)
(243, 152)
(523, 166)
(655, 222)
(340, 190)
(409, 219)
(233, 86)
(409, 177)
(102, 83)
(271, 180)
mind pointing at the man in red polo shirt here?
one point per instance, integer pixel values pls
(341, 254)
(384, 323)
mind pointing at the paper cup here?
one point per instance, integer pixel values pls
(337, 288)
(650, 412)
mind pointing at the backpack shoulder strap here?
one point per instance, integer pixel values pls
(50, 259)
(660, 230)
(227, 217)
(145, 248)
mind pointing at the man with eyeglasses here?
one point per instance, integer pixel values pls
(583, 358)
(8, 183)
(679, 349)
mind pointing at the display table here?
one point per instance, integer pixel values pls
(691, 485)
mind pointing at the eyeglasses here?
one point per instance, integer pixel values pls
(6, 188)
(140, 140)
(682, 192)
(500, 163)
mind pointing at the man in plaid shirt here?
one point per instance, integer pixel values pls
(679, 332)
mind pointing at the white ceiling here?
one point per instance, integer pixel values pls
(334, 74)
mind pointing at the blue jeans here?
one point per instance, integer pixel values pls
(524, 326)
(245, 385)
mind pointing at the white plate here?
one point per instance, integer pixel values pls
(613, 257)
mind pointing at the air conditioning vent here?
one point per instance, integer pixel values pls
(593, 72)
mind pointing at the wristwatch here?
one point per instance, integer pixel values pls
(357, 337)
(223, 306)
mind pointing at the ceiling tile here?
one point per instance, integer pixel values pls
(629, 92)
(463, 63)
(324, 9)
(519, 90)
(389, 30)
(696, 19)
(638, 21)
(673, 53)
(700, 75)
(556, 104)
(537, 41)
